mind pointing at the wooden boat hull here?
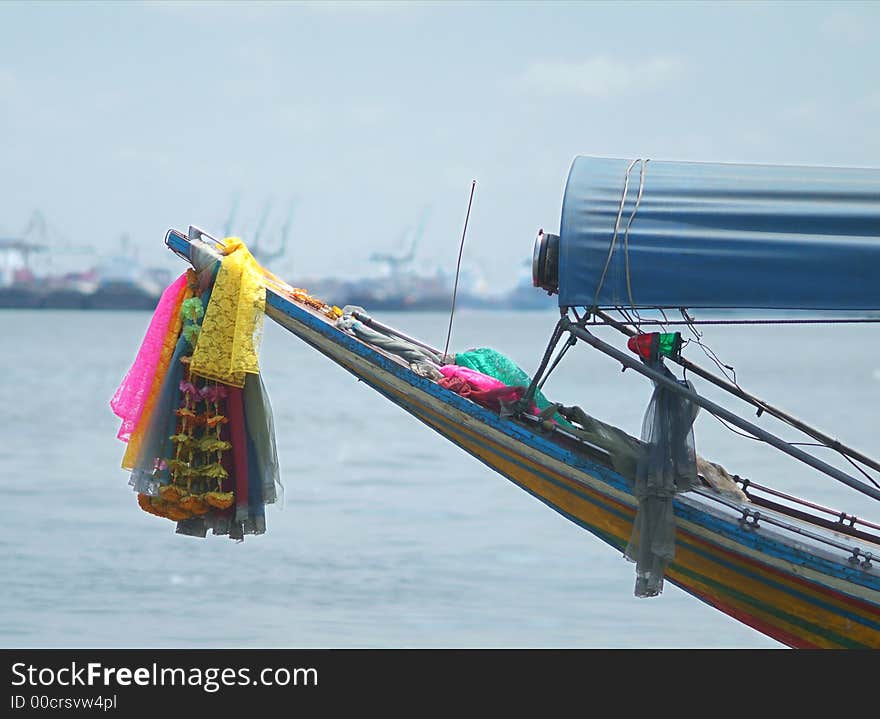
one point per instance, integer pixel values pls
(797, 591)
(721, 562)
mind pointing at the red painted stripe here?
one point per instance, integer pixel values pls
(771, 630)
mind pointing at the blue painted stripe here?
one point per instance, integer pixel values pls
(776, 548)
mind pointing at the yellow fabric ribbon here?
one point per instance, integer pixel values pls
(228, 345)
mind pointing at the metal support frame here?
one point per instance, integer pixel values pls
(715, 409)
(762, 406)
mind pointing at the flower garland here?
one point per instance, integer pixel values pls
(196, 469)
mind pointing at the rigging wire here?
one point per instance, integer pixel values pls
(732, 417)
(664, 321)
(848, 459)
(848, 453)
(625, 314)
(613, 243)
(714, 357)
(710, 353)
(626, 234)
(802, 444)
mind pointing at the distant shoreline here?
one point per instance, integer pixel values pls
(108, 297)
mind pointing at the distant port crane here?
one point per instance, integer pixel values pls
(397, 264)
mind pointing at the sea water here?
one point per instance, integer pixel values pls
(388, 536)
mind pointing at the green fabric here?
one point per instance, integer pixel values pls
(493, 363)
(623, 449)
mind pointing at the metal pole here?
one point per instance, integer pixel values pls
(755, 401)
(458, 268)
(719, 411)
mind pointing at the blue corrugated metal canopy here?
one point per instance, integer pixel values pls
(707, 235)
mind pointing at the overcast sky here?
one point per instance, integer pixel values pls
(130, 117)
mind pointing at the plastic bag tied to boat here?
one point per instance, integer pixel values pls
(666, 466)
(203, 450)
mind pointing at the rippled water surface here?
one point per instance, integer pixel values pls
(389, 536)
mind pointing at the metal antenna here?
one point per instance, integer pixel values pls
(458, 270)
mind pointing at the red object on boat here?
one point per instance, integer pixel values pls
(641, 345)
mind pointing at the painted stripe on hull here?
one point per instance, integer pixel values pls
(691, 570)
(791, 609)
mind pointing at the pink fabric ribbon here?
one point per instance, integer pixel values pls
(128, 401)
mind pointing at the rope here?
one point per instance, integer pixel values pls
(617, 227)
(614, 235)
(408, 351)
(626, 235)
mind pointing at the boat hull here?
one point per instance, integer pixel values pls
(723, 562)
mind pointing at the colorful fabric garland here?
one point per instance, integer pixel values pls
(202, 452)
